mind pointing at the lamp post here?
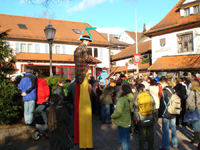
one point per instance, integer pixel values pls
(50, 33)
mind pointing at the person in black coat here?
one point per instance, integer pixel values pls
(181, 92)
(59, 121)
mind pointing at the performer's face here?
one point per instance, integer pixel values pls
(87, 43)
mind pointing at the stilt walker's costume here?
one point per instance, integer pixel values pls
(83, 111)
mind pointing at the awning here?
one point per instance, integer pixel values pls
(59, 58)
(176, 63)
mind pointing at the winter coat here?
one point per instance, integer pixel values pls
(103, 77)
(144, 120)
(180, 90)
(42, 91)
(105, 95)
(121, 115)
(63, 122)
(28, 85)
(116, 93)
(190, 102)
(154, 92)
(164, 97)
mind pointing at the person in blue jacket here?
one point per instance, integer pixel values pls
(27, 86)
(102, 78)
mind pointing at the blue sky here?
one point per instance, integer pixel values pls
(113, 16)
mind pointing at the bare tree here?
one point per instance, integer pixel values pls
(46, 3)
(46, 14)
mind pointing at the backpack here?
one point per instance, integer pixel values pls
(174, 104)
(145, 104)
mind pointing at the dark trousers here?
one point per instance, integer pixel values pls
(143, 130)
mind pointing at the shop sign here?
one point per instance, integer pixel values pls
(163, 49)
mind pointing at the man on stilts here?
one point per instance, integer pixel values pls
(83, 111)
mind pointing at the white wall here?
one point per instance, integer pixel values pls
(188, 1)
(122, 63)
(103, 53)
(126, 38)
(171, 47)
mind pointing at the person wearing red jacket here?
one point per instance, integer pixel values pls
(43, 91)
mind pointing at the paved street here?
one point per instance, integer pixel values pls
(105, 137)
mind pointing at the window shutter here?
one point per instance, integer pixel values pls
(101, 53)
(46, 49)
(64, 49)
(37, 49)
(16, 48)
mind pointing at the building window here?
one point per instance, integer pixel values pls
(196, 9)
(30, 48)
(95, 52)
(46, 49)
(23, 47)
(187, 11)
(77, 31)
(185, 43)
(58, 50)
(66, 76)
(37, 48)
(90, 51)
(65, 70)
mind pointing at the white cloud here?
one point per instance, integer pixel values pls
(85, 4)
(114, 30)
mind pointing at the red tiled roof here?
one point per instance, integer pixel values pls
(133, 35)
(45, 57)
(129, 51)
(140, 66)
(180, 62)
(173, 22)
(36, 26)
(113, 40)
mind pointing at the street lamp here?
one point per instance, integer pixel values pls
(50, 32)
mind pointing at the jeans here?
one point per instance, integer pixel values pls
(149, 130)
(165, 138)
(105, 113)
(29, 107)
(196, 124)
(124, 138)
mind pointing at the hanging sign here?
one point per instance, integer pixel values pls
(137, 58)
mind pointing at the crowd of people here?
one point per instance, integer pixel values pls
(128, 101)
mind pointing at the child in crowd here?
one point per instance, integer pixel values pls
(58, 122)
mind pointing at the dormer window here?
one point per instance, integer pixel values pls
(77, 31)
(187, 11)
(196, 9)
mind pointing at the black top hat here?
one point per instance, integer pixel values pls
(86, 37)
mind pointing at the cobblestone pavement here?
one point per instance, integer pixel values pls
(105, 137)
